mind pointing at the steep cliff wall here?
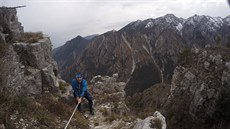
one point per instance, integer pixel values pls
(31, 91)
(27, 66)
(200, 91)
(10, 27)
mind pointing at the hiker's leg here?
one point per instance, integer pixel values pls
(90, 101)
(79, 106)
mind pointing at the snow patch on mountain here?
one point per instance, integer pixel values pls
(227, 19)
(149, 24)
(212, 24)
(136, 23)
(128, 44)
(179, 27)
(218, 21)
(169, 18)
(182, 20)
(145, 49)
(194, 19)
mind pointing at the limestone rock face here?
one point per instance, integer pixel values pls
(2, 126)
(111, 111)
(35, 54)
(152, 122)
(26, 68)
(9, 26)
(30, 69)
(201, 89)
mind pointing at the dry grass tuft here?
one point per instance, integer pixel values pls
(28, 37)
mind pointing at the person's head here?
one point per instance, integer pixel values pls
(79, 77)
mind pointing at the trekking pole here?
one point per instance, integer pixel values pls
(71, 116)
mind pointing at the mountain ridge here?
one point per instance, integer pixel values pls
(74, 48)
(151, 44)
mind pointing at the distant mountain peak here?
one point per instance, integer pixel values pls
(112, 30)
(227, 19)
(171, 16)
(89, 37)
(135, 23)
(79, 36)
(211, 22)
(196, 19)
(76, 40)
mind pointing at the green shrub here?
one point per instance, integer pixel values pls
(185, 57)
(3, 47)
(63, 86)
(223, 106)
(150, 100)
(96, 124)
(228, 45)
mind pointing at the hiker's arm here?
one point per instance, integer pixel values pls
(84, 88)
(79, 99)
(74, 88)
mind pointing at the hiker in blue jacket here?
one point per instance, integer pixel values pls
(80, 88)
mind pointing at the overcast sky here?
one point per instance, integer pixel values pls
(63, 20)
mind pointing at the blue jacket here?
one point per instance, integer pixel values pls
(79, 88)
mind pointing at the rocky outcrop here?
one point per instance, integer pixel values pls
(200, 91)
(10, 27)
(2, 126)
(26, 68)
(30, 69)
(157, 121)
(111, 111)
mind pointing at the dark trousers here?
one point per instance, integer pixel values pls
(89, 99)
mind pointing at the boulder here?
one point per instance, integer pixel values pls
(30, 69)
(2, 126)
(10, 27)
(157, 121)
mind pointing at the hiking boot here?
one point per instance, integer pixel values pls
(80, 111)
(92, 113)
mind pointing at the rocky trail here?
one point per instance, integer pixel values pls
(110, 108)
